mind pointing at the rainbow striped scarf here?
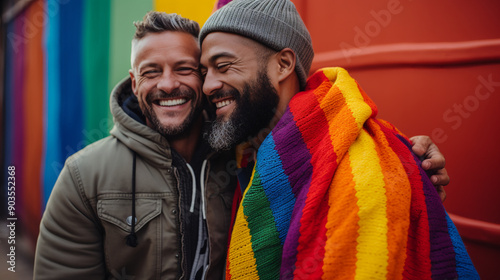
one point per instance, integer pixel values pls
(337, 194)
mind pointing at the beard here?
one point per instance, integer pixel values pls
(168, 131)
(255, 107)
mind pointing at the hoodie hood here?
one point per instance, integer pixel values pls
(130, 127)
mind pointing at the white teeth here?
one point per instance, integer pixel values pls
(172, 102)
(223, 103)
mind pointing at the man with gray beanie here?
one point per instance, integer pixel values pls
(275, 26)
(330, 191)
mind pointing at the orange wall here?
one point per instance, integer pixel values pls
(432, 67)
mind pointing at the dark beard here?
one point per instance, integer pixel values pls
(168, 132)
(255, 107)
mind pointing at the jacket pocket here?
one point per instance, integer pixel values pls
(142, 261)
(119, 211)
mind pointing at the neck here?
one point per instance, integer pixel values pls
(186, 145)
(286, 91)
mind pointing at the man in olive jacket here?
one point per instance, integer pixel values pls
(151, 201)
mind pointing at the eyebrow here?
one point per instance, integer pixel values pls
(219, 55)
(181, 62)
(147, 64)
(192, 62)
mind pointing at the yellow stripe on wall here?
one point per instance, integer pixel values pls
(372, 240)
(197, 10)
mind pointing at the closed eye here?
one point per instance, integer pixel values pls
(150, 73)
(223, 66)
(187, 70)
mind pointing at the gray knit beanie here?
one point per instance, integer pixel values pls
(273, 23)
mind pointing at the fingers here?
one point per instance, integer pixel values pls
(440, 178)
(441, 193)
(433, 161)
(421, 144)
(424, 147)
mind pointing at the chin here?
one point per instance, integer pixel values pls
(172, 123)
(226, 116)
(173, 127)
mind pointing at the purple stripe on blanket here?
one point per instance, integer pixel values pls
(442, 254)
(296, 161)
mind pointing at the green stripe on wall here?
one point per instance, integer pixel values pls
(123, 14)
(96, 28)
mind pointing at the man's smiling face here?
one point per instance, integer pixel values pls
(166, 80)
(238, 85)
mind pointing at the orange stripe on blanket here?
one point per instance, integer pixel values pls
(398, 194)
(342, 228)
(418, 262)
(342, 124)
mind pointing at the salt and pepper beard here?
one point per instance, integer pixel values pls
(172, 132)
(255, 107)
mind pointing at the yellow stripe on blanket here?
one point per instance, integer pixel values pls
(353, 98)
(370, 190)
(241, 255)
(345, 117)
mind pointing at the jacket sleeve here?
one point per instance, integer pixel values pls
(70, 241)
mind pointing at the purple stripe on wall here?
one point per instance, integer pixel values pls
(18, 115)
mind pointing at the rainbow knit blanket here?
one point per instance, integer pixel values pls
(337, 194)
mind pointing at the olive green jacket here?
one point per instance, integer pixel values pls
(84, 226)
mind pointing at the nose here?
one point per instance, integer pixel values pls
(168, 82)
(211, 84)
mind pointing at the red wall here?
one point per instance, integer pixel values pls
(432, 67)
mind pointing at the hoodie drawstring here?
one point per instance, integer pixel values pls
(193, 182)
(202, 188)
(131, 239)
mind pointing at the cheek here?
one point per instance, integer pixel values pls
(195, 84)
(143, 88)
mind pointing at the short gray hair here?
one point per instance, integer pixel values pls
(156, 22)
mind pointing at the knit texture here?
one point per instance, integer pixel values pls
(337, 194)
(273, 23)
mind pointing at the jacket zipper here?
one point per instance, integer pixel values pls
(206, 173)
(180, 254)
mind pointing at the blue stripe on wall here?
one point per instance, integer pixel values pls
(71, 77)
(53, 158)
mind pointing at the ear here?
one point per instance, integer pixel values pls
(132, 77)
(286, 63)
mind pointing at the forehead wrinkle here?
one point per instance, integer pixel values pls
(146, 63)
(186, 59)
(166, 41)
(190, 61)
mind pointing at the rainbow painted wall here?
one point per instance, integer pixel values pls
(62, 59)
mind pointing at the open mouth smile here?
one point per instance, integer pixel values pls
(223, 103)
(171, 102)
